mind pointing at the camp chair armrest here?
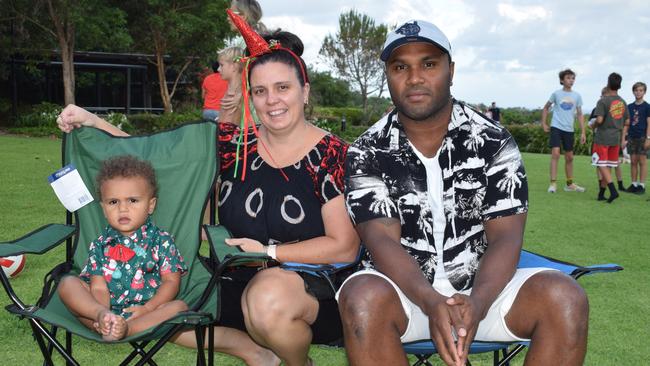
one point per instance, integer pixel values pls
(38, 241)
(227, 255)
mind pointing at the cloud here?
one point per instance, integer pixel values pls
(505, 50)
(520, 14)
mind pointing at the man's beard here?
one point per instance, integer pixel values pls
(419, 114)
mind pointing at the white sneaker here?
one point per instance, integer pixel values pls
(552, 188)
(574, 188)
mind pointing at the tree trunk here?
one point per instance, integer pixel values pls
(67, 59)
(65, 34)
(162, 81)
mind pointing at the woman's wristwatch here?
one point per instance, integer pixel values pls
(271, 251)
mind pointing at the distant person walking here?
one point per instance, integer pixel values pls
(566, 104)
(639, 138)
(496, 112)
(212, 90)
(612, 121)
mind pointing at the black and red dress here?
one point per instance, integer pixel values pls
(267, 207)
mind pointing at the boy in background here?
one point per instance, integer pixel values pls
(612, 121)
(639, 134)
(212, 90)
(566, 104)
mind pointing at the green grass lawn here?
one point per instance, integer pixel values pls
(571, 226)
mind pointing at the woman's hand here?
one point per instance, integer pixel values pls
(247, 245)
(73, 117)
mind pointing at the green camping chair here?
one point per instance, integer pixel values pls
(185, 159)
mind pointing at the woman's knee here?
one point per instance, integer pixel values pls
(275, 295)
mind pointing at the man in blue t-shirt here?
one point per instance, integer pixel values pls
(638, 139)
(566, 104)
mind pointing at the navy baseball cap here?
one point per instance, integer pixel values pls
(415, 31)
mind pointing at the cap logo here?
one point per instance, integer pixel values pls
(409, 29)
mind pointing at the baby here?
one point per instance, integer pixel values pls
(133, 271)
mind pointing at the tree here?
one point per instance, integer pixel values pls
(326, 90)
(178, 33)
(354, 53)
(64, 23)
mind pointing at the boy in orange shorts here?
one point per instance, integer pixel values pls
(611, 118)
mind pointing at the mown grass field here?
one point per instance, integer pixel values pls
(571, 226)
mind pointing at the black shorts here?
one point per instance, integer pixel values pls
(326, 329)
(561, 138)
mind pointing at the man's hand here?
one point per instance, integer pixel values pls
(583, 138)
(441, 321)
(465, 322)
(646, 145)
(546, 128)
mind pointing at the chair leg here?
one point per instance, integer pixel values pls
(210, 345)
(423, 360)
(200, 345)
(511, 354)
(147, 356)
(39, 332)
(68, 345)
(50, 347)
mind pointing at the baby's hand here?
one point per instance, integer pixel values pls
(137, 311)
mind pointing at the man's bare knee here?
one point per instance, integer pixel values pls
(550, 299)
(369, 301)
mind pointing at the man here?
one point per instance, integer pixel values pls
(496, 112)
(566, 104)
(438, 195)
(213, 90)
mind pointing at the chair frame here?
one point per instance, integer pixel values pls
(502, 353)
(47, 338)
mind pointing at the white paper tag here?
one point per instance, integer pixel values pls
(70, 188)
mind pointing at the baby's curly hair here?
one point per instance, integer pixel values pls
(126, 166)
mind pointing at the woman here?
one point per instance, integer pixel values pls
(289, 205)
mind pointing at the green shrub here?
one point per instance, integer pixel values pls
(353, 116)
(144, 123)
(39, 121)
(532, 138)
(350, 134)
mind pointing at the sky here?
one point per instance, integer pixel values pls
(509, 52)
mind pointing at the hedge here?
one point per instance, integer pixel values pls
(532, 138)
(41, 121)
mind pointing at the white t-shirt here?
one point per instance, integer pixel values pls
(434, 188)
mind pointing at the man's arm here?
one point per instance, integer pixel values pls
(499, 262)
(381, 237)
(626, 127)
(646, 145)
(497, 266)
(581, 120)
(545, 116)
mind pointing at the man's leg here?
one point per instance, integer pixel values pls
(551, 310)
(643, 172)
(555, 157)
(373, 321)
(568, 164)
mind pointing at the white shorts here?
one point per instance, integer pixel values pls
(492, 328)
